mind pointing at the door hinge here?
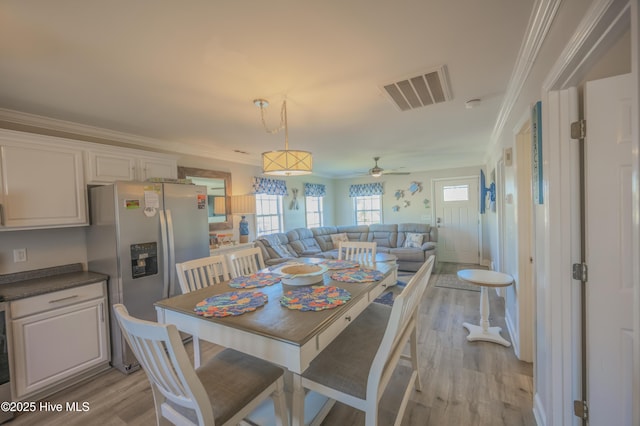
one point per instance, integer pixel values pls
(580, 271)
(581, 409)
(579, 129)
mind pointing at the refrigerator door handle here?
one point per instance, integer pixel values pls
(165, 254)
(172, 254)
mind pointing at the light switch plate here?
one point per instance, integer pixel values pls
(19, 255)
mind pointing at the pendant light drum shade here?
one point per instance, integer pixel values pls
(287, 163)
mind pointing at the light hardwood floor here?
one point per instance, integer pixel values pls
(463, 383)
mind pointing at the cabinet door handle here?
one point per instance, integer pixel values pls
(63, 299)
(1, 215)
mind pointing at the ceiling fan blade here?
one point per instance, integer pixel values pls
(396, 173)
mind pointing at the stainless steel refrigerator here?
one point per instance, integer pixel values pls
(138, 232)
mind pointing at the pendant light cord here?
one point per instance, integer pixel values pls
(283, 123)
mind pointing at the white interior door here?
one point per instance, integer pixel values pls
(608, 171)
(458, 218)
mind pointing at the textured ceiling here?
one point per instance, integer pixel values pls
(188, 72)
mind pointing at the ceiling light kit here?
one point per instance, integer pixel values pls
(377, 171)
(284, 162)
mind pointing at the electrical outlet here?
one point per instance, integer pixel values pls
(19, 255)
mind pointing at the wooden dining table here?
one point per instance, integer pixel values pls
(286, 337)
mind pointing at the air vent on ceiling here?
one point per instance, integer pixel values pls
(431, 87)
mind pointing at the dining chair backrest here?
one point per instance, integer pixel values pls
(358, 251)
(198, 273)
(224, 391)
(161, 354)
(402, 323)
(245, 262)
(357, 366)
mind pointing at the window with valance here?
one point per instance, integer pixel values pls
(269, 207)
(314, 205)
(262, 185)
(315, 190)
(366, 189)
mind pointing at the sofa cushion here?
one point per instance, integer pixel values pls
(408, 254)
(428, 246)
(428, 232)
(322, 234)
(277, 245)
(383, 235)
(336, 239)
(355, 232)
(413, 240)
(302, 241)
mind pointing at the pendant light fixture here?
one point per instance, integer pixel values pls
(285, 162)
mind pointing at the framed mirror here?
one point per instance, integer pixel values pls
(218, 194)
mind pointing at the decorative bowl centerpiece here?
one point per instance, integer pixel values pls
(303, 274)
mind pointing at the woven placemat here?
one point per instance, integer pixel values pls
(261, 279)
(360, 275)
(315, 298)
(231, 303)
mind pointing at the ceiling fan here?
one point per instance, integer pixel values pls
(377, 171)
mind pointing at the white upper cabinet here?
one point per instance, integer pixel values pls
(109, 164)
(42, 182)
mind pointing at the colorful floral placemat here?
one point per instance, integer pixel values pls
(340, 264)
(231, 303)
(360, 275)
(315, 298)
(260, 279)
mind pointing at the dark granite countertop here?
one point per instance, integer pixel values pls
(32, 283)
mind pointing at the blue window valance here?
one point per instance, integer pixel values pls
(262, 185)
(314, 190)
(365, 189)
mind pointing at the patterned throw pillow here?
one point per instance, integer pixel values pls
(413, 240)
(336, 238)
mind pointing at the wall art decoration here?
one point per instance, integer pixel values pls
(415, 187)
(294, 202)
(406, 203)
(399, 194)
(426, 203)
(395, 208)
(536, 153)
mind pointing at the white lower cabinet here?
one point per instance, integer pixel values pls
(57, 337)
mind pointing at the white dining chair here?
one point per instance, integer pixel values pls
(361, 252)
(357, 366)
(222, 392)
(245, 262)
(199, 273)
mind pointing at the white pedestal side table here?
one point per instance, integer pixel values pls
(485, 279)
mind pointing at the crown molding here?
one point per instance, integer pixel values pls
(540, 21)
(603, 22)
(198, 150)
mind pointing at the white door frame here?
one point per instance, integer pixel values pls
(604, 22)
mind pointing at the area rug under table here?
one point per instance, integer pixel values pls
(389, 296)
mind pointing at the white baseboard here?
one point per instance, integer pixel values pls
(513, 334)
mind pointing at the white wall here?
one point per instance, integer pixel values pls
(551, 406)
(416, 212)
(45, 248)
